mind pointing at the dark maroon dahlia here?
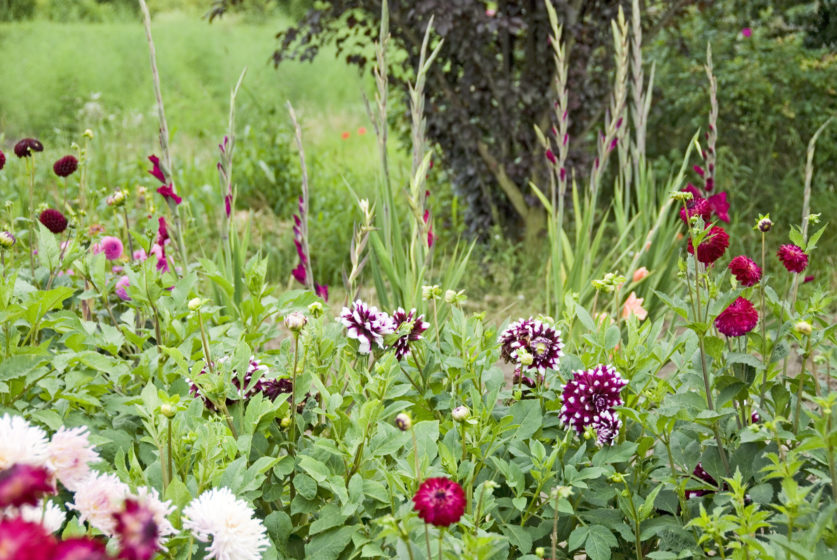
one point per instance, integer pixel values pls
(2, 160)
(25, 147)
(65, 166)
(367, 325)
(440, 502)
(701, 474)
(137, 531)
(698, 206)
(793, 258)
(712, 247)
(24, 484)
(738, 319)
(542, 342)
(745, 270)
(402, 345)
(53, 220)
(263, 385)
(590, 393)
(607, 428)
(521, 379)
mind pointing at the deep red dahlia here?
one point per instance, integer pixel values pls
(698, 206)
(2, 159)
(25, 147)
(745, 270)
(402, 345)
(440, 501)
(81, 548)
(738, 319)
(24, 484)
(65, 166)
(793, 258)
(589, 394)
(20, 539)
(138, 533)
(53, 220)
(713, 246)
(167, 191)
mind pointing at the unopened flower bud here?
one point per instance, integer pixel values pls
(431, 292)
(168, 410)
(524, 357)
(460, 413)
(195, 304)
(563, 492)
(295, 321)
(116, 199)
(6, 239)
(681, 196)
(403, 422)
(518, 395)
(540, 552)
(803, 328)
(285, 422)
(765, 224)
(316, 309)
(617, 477)
(491, 485)
(88, 133)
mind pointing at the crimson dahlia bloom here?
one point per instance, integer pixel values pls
(137, 531)
(793, 258)
(367, 325)
(53, 220)
(24, 484)
(738, 319)
(167, 191)
(539, 340)
(713, 246)
(2, 160)
(25, 147)
(440, 502)
(588, 395)
(402, 345)
(745, 270)
(65, 166)
(696, 207)
(21, 539)
(81, 548)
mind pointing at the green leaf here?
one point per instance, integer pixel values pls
(518, 537)
(599, 542)
(577, 537)
(329, 545)
(318, 470)
(306, 486)
(585, 318)
(330, 517)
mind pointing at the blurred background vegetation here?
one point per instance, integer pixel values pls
(73, 65)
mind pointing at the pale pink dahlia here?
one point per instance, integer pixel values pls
(70, 456)
(97, 499)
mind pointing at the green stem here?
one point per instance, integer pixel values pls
(30, 166)
(170, 458)
(293, 390)
(441, 538)
(798, 411)
(427, 541)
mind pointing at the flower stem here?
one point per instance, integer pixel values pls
(801, 383)
(293, 388)
(764, 357)
(441, 537)
(30, 166)
(128, 234)
(170, 459)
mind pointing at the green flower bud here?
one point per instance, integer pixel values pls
(803, 327)
(195, 304)
(168, 410)
(540, 552)
(316, 309)
(460, 413)
(295, 321)
(403, 421)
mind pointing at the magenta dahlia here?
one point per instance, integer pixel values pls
(440, 501)
(738, 319)
(137, 531)
(81, 548)
(24, 484)
(21, 539)
(53, 220)
(589, 394)
(402, 345)
(2, 160)
(65, 166)
(713, 246)
(25, 147)
(745, 270)
(793, 258)
(539, 340)
(367, 325)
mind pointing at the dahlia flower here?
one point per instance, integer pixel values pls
(65, 166)
(439, 501)
(24, 484)
(745, 270)
(98, 499)
(20, 442)
(589, 394)
(713, 246)
(21, 540)
(793, 258)
(49, 515)
(738, 319)
(53, 220)
(137, 531)
(271, 388)
(218, 515)
(81, 548)
(607, 428)
(539, 340)
(25, 147)
(2, 160)
(402, 345)
(700, 473)
(367, 325)
(7, 239)
(122, 288)
(70, 456)
(698, 206)
(150, 499)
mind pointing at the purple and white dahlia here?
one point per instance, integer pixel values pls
(590, 394)
(269, 387)
(402, 345)
(540, 341)
(367, 325)
(607, 428)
